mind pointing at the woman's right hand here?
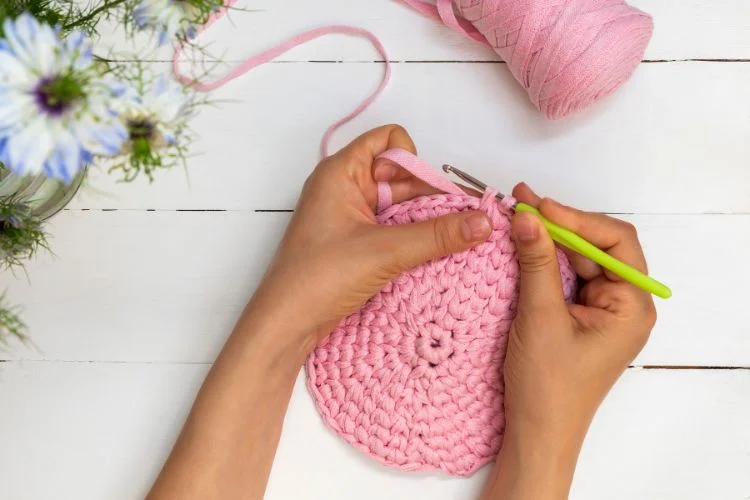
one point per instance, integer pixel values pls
(563, 359)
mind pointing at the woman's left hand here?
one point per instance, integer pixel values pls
(334, 256)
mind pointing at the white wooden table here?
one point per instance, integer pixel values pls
(147, 280)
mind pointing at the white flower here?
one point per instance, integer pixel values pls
(169, 18)
(158, 114)
(55, 113)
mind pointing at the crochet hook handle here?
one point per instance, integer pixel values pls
(571, 240)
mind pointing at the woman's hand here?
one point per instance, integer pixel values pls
(334, 256)
(332, 259)
(563, 359)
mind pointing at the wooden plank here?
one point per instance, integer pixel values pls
(100, 430)
(674, 140)
(168, 286)
(707, 29)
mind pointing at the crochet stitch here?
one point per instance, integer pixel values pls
(414, 379)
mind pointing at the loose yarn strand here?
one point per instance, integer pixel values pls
(280, 49)
(567, 54)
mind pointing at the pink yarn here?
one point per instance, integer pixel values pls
(414, 379)
(275, 52)
(567, 54)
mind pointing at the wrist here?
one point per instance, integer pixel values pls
(281, 337)
(534, 466)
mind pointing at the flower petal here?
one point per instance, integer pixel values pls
(66, 159)
(28, 150)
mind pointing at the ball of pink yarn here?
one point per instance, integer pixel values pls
(567, 54)
(414, 379)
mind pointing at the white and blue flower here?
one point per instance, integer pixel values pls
(169, 18)
(55, 109)
(158, 114)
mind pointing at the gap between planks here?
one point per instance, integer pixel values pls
(435, 61)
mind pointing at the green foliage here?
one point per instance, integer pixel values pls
(11, 325)
(52, 12)
(87, 20)
(49, 11)
(21, 233)
(67, 15)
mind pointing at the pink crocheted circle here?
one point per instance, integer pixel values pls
(414, 379)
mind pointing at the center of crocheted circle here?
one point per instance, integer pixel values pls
(434, 344)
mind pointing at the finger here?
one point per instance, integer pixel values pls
(412, 187)
(540, 282)
(361, 152)
(616, 237)
(409, 245)
(603, 293)
(584, 267)
(404, 185)
(385, 170)
(523, 193)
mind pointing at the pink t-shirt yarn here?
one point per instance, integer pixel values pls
(415, 378)
(566, 54)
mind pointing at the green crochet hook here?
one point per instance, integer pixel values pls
(571, 240)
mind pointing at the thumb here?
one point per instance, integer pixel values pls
(540, 282)
(410, 245)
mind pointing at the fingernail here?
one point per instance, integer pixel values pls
(384, 172)
(476, 227)
(525, 227)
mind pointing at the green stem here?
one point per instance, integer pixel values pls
(92, 15)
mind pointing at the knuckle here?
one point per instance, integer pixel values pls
(318, 175)
(350, 156)
(643, 318)
(397, 128)
(629, 229)
(650, 314)
(534, 261)
(442, 235)
(642, 336)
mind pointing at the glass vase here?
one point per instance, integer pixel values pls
(45, 196)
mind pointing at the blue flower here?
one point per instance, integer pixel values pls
(55, 109)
